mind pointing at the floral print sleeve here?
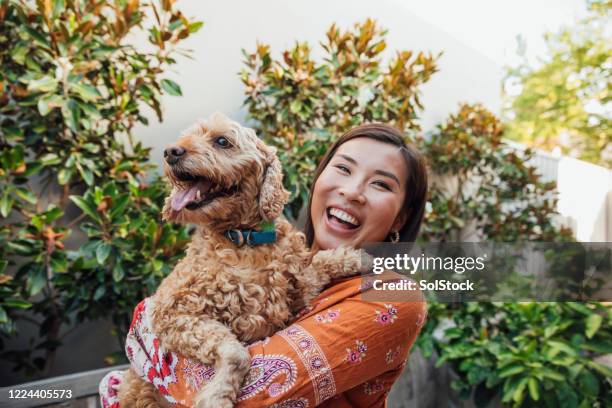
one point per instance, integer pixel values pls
(341, 351)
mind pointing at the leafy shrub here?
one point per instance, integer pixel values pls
(300, 105)
(72, 89)
(532, 354)
(495, 189)
(481, 188)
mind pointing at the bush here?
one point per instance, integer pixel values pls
(529, 354)
(300, 105)
(532, 354)
(72, 89)
(481, 188)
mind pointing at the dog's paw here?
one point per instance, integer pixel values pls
(344, 261)
(357, 261)
(366, 262)
(236, 356)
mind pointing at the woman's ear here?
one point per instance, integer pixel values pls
(399, 222)
(272, 196)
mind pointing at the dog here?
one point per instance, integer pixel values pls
(230, 289)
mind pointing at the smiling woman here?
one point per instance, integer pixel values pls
(370, 183)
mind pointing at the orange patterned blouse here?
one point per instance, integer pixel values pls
(342, 351)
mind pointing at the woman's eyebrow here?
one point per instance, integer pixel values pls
(381, 172)
(387, 174)
(348, 158)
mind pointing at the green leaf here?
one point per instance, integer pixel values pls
(19, 53)
(85, 206)
(593, 322)
(118, 272)
(36, 280)
(6, 204)
(562, 346)
(194, 27)
(26, 195)
(50, 159)
(99, 293)
(58, 7)
(3, 315)
(295, 106)
(53, 213)
(534, 390)
(87, 175)
(511, 370)
(17, 303)
(72, 114)
(119, 205)
(38, 37)
(86, 91)
(171, 87)
(49, 102)
(59, 265)
(102, 252)
(64, 176)
(588, 383)
(552, 375)
(520, 390)
(603, 369)
(44, 84)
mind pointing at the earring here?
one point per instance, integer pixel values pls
(395, 236)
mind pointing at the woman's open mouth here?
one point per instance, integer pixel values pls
(195, 191)
(341, 219)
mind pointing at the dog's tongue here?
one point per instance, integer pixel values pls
(182, 197)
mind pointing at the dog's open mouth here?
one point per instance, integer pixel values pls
(196, 191)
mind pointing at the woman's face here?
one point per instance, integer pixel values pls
(358, 196)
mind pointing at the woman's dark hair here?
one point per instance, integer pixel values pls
(416, 188)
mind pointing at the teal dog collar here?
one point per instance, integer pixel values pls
(267, 235)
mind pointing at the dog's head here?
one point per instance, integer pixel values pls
(223, 176)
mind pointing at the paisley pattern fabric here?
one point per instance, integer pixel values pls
(264, 370)
(325, 358)
(313, 358)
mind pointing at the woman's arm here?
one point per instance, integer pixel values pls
(343, 350)
(346, 349)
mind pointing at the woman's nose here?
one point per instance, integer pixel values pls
(352, 192)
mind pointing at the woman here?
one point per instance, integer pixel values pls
(341, 351)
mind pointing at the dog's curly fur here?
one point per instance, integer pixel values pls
(220, 295)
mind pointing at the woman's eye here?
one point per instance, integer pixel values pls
(343, 168)
(383, 185)
(223, 142)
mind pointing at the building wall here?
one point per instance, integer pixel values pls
(210, 81)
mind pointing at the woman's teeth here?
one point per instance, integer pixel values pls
(343, 216)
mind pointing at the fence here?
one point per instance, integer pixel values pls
(585, 194)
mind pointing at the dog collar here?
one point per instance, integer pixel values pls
(266, 235)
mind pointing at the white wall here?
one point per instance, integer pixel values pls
(211, 82)
(584, 194)
(585, 198)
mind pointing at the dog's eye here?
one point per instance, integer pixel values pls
(223, 142)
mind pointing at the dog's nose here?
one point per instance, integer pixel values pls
(172, 154)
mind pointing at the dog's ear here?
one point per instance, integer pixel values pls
(273, 196)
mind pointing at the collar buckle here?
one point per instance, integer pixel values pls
(235, 236)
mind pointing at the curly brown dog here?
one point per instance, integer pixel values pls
(222, 294)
